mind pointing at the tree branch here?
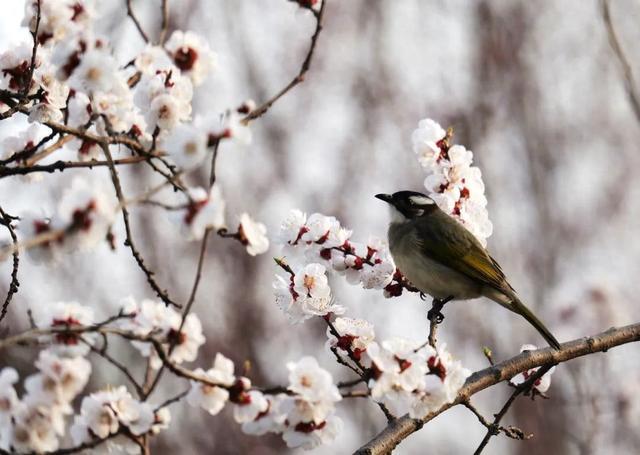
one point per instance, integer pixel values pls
(401, 428)
(632, 93)
(306, 64)
(5, 219)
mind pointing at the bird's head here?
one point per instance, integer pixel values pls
(407, 205)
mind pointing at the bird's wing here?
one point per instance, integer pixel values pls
(451, 244)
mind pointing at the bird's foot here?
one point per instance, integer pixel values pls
(423, 296)
(435, 313)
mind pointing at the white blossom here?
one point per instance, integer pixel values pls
(446, 377)
(34, 427)
(205, 210)
(308, 295)
(209, 397)
(355, 334)
(451, 181)
(192, 55)
(311, 382)
(165, 323)
(86, 212)
(272, 420)
(102, 413)
(25, 139)
(60, 379)
(292, 227)
(61, 315)
(543, 383)
(186, 145)
(250, 407)
(310, 435)
(97, 73)
(8, 396)
(253, 234)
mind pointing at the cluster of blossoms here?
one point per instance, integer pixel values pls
(319, 242)
(83, 218)
(305, 416)
(111, 412)
(77, 81)
(206, 210)
(414, 378)
(36, 421)
(451, 181)
(405, 376)
(181, 339)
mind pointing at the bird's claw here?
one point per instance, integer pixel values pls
(435, 313)
(435, 316)
(423, 296)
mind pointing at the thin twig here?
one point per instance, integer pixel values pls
(164, 27)
(494, 428)
(123, 369)
(632, 92)
(13, 285)
(63, 165)
(133, 17)
(163, 294)
(306, 64)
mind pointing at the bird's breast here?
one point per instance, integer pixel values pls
(426, 274)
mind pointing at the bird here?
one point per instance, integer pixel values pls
(440, 257)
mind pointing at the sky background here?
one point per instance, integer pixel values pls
(532, 88)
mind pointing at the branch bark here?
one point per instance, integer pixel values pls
(398, 430)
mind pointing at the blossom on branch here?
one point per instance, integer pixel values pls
(212, 398)
(204, 211)
(322, 238)
(86, 213)
(541, 384)
(65, 315)
(253, 235)
(451, 181)
(355, 335)
(182, 340)
(411, 378)
(192, 55)
(307, 294)
(311, 420)
(104, 413)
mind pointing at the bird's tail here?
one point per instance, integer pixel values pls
(518, 307)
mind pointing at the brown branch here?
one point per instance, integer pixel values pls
(32, 65)
(164, 27)
(133, 17)
(13, 285)
(630, 87)
(123, 369)
(63, 165)
(29, 151)
(494, 428)
(306, 64)
(163, 294)
(401, 428)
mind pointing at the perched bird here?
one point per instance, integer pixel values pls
(440, 257)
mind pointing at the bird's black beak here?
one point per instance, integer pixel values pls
(385, 197)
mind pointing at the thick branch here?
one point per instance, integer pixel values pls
(401, 428)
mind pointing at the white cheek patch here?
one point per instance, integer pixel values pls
(421, 200)
(397, 216)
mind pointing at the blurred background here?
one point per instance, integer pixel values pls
(534, 89)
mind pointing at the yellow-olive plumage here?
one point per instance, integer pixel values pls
(443, 259)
